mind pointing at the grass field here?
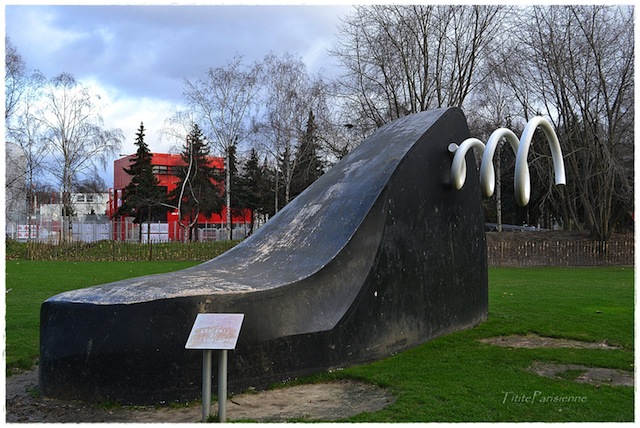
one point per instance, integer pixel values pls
(457, 378)
(29, 283)
(452, 378)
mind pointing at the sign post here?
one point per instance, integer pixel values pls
(206, 384)
(214, 332)
(222, 384)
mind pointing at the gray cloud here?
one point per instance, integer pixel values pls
(149, 50)
(140, 55)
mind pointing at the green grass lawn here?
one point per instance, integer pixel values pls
(29, 283)
(456, 378)
(452, 378)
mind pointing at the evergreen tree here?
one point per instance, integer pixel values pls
(249, 188)
(197, 191)
(283, 176)
(235, 200)
(267, 189)
(307, 166)
(143, 198)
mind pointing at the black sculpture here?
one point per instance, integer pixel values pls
(377, 256)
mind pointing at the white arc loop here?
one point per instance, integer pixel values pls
(522, 183)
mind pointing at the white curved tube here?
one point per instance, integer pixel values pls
(522, 182)
(487, 172)
(459, 166)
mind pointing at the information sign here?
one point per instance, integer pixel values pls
(215, 331)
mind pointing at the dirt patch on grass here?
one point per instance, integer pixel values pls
(329, 401)
(535, 341)
(324, 401)
(582, 374)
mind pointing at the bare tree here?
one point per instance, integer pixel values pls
(15, 78)
(177, 127)
(288, 96)
(494, 107)
(339, 131)
(15, 187)
(26, 134)
(24, 129)
(405, 59)
(578, 69)
(222, 102)
(72, 129)
(93, 184)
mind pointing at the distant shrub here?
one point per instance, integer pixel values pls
(117, 251)
(15, 250)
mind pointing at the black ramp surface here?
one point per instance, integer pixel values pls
(378, 255)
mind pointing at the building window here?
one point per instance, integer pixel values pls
(161, 169)
(79, 198)
(89, 198)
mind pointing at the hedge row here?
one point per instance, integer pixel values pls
(117, 251)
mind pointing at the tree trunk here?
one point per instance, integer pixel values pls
(227, 185)
(253, 219)
(149, 225)
(277, 190)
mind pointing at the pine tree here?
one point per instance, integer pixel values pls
(307, 166)
(235, 204)
(284, 175)
(267, 189)
(196, 191)
(249, 187)
(143, 198)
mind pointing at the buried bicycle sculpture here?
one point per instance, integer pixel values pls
(383, 252)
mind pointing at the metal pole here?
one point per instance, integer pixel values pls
(222, 385)
(206, 384)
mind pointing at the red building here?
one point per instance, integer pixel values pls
(163, 168)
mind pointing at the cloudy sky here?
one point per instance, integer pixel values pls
(137, 57)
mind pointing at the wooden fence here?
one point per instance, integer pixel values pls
(560, 253)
